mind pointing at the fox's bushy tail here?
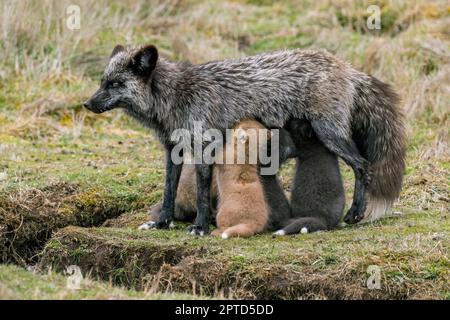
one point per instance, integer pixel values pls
(379, 132)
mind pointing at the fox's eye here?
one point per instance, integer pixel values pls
(114, 84)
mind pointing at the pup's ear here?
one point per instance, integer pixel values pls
(242, 136)
(116, 50)
(144, 61)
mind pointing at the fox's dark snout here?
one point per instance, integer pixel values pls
(88, 104)
(99, 102)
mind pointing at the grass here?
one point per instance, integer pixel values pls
(61, 166)
(411, 252)
(18, 283)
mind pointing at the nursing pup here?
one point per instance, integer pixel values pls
(317, 196)
(242, 210)
(280, 209)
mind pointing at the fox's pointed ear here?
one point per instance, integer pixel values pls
(144, 61)
(116, 50)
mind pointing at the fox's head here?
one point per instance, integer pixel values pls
(125, 81)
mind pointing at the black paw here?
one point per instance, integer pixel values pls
(197, 230)
(354, 215)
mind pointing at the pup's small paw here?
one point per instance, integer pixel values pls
(155, 225)
(279, 233)
(304, 230)
(148, 225)
(225, 236)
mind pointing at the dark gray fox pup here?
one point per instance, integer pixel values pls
(317, 196)
(353, 114)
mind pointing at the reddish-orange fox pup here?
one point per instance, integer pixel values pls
(242, 209)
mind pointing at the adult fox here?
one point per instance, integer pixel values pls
(353, 114)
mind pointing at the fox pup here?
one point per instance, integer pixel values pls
(317, 197)
(243, 210)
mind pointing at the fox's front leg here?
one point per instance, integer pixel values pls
(204, 177)
(173, 172)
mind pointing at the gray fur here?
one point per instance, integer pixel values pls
(317, 196)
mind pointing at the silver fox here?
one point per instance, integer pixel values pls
(354, 115)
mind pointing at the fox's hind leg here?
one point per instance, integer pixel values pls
(340, 143)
